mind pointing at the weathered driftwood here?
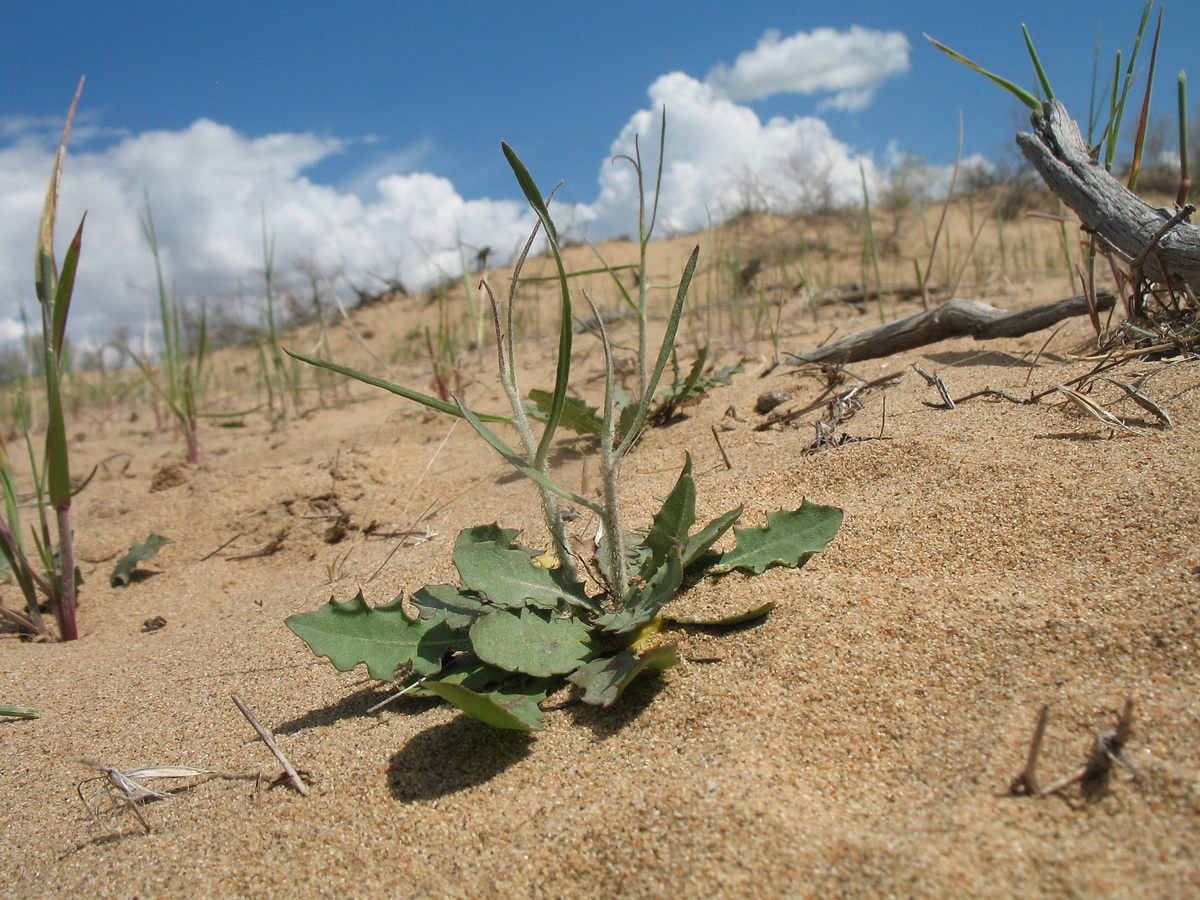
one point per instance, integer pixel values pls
(954, 318)
(859, 294)
(1105, 206)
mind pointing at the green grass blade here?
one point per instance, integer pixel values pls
(1139, 141)
(565, 332)
(1037, 65)
(1019, 92)
(1185, 181)
(664, 354)
(45, 275)
(64, 289)
(407, 393)
(58, 476)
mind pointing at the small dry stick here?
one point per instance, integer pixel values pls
(1026, 784)
(936, 381)
(1108, 747)
(272, 547)
(721, 447)
(267, 739)
(396, 696)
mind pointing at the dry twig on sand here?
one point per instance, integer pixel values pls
(293, 776)
(954, 318)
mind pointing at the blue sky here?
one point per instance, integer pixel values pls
(368, 133)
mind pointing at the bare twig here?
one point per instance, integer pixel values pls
(725, 456)
(272, 547)
(936, 382)
(1026, 783)
(267, 739)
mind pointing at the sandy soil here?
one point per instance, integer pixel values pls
(860, 741)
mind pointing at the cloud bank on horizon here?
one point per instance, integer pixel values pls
(212, 189)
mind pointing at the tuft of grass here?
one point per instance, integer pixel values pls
(58, 577)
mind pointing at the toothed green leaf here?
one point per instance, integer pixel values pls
(506, 574)
(460, 607)
(674, 520)
(576, 415)
(702, 541)
(382, 638)
(643, 602)
(789, 539)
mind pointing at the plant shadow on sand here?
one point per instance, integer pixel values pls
(356, 706)
(452, 757)
(605, 723)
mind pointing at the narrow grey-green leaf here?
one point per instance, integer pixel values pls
(514, 460)
(675, 519)
(533, 642)
(702, 541)
(643, 602)
(789, 539)
(748, 615)
(20, 712)
(604, 679)
(500, 709)
(400, 391)
(382, 638)
(123, 572)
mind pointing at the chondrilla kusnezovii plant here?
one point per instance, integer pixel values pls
(511, 631)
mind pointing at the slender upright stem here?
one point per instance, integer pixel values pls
(610, 468)
(512, 390)
(66, 597)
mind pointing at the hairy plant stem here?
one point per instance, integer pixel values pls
(610, 466)
(508, 379)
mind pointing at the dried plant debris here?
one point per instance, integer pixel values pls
(125, 788)
(1084, 404)
(1094, 776)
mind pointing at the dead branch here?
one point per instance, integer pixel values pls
(954, 318)
(1106, 207)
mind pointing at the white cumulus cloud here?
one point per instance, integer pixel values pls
(212, 188)
(721, 157)
(849, 64)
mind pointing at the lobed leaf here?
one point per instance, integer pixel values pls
(382, 638)
(789, 539)
(533, 642)
(576, 414)
(603, 680)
